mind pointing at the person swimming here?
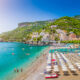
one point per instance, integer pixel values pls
(27, 54)
(12, 48)
(12, 53)
(22, 48)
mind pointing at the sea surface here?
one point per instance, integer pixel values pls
(16, 55)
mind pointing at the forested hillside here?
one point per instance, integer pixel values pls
(70, 24)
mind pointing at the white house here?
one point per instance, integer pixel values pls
(1, 40)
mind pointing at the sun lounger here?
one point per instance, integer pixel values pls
(47, 76)
(48, 70)
(73, 70)
(79, 68)
(48, 67)
(56, 70)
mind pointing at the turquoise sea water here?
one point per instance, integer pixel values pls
(13, 55)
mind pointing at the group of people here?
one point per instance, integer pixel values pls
(17, 70)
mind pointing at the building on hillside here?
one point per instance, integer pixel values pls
(77, 36)
(35, 34)
(1, 40)
(72, 36)
(62, 34)
(45, 37)
(53, 26)
(42, 33)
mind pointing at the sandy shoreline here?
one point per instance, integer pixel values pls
(36, 71)
(40, 61)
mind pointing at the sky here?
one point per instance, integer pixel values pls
(13, 12)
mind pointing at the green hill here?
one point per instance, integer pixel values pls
(25, 24)
(25, 30)
(77, 17)
(69, 24)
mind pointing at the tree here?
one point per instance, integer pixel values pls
(57, 39)
(53, 31)
(39, 38)
(28, 37)
(34, 39)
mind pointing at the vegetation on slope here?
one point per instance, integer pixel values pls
(70, 24)
(73, 41)
(24, 33)
(76, 17)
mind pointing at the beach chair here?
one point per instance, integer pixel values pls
(65, 71)
(73, 70)
(48, 67)
(50, 76)
(56, 70)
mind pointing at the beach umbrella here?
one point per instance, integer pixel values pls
(53, 60)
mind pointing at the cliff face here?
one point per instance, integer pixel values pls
(34, 23)
(25, 24)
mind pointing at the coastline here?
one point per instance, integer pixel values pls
(20, 61)
(33, 66)
(29, 43)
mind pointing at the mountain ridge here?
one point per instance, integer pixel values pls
(27, 31)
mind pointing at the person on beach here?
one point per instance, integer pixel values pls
(21, 70)
(15, 70)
